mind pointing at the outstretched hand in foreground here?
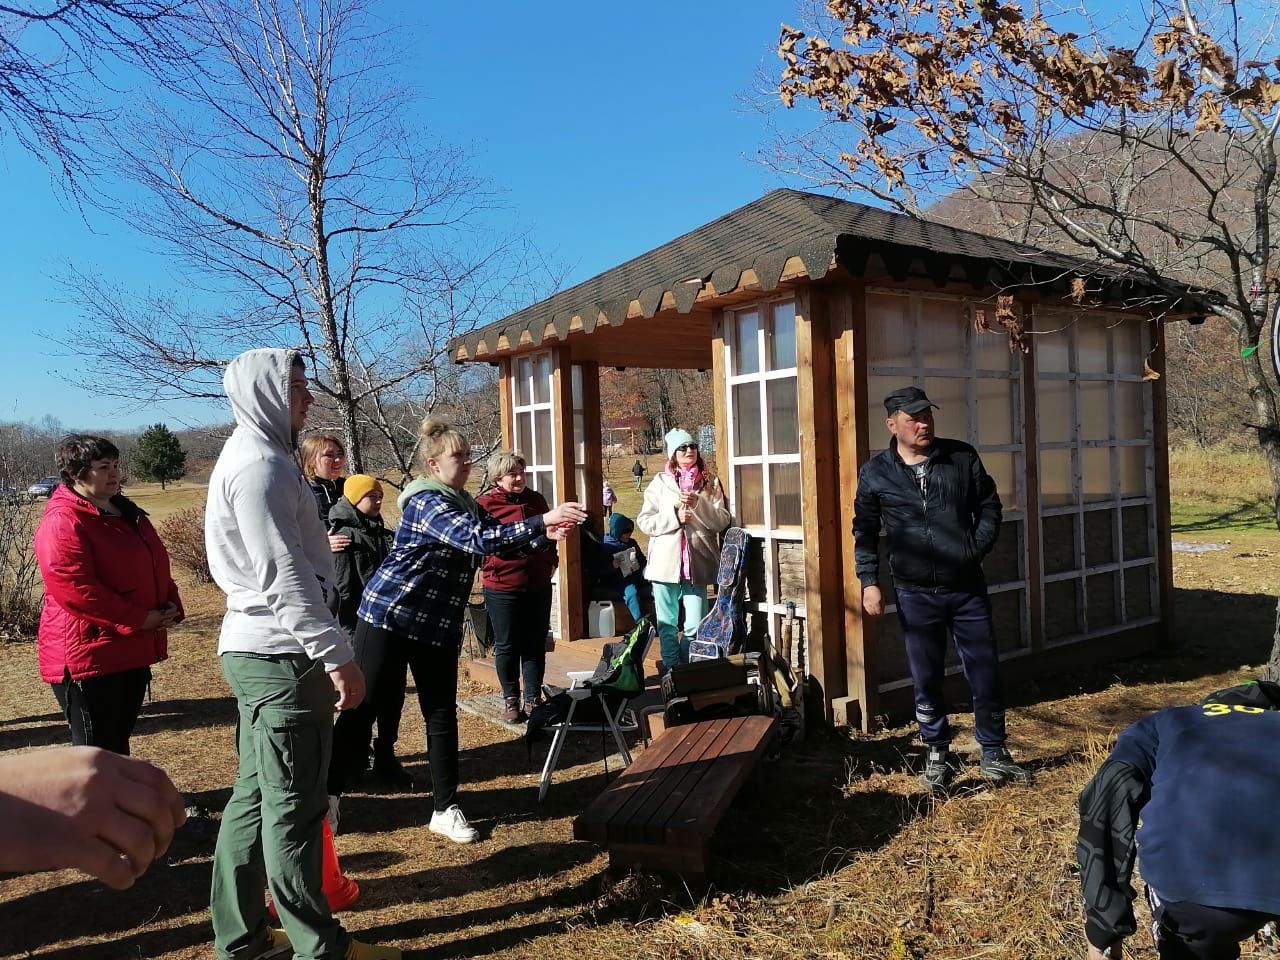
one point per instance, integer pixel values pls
(86, 808)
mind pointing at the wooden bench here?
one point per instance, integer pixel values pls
(661, 811)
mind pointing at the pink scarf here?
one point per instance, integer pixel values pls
(688, 480)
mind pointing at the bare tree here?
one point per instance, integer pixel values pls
(51, 58)
(1148, 142)
(280, 170)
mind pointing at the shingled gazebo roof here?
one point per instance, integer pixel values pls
(808, 231)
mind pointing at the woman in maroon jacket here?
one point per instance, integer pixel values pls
(108, 596)
(517, 593)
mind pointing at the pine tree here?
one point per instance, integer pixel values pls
(159, 456)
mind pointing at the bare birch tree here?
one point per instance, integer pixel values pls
(281, 169)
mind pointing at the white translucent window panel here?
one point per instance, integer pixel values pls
(579, 440)
(991, 350)
(542, 379)
(784, 490)
(1091, 345)
(877, 389)
(1096, 463)
(1095, 409)
(889, 333)
(995, 411)
(746, 419)
(784, 420)
(746, 343)
(782, 339)
(951, 396)
(1131, 421)
(524, 436)
(1056, 478)
(1055, 412)
(1133, 471)
(1128, 341)
(749, 486)
(1000, 466)
(1052, 350)
(542, 437)
(524, 374)
(941, 332)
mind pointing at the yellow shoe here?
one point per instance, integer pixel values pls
(368, 951)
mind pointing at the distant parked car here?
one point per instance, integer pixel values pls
(43, 488)
(10, 495)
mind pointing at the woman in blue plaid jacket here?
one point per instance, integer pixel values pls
(413, 606)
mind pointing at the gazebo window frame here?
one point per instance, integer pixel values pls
(527, 372)
(769, 531)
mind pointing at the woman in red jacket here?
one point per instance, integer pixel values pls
(108, 596)
(517, 592)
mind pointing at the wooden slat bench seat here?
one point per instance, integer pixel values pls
(661, 811)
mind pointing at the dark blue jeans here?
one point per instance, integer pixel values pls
(927, 617)
(519, 621)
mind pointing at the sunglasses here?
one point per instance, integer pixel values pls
(687, 446)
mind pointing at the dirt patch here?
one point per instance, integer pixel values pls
(833, 851)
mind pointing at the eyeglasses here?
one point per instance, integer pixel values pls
(687, 446)
(333, 456)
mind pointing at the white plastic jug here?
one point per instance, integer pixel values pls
(600, 619)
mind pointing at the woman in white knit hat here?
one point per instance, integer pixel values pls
(684, 513)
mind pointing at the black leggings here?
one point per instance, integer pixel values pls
(520, 621)
(381, 656)
(102, 711)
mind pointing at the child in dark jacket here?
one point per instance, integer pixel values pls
(625, 573)
(358, 515)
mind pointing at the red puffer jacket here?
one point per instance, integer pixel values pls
(524, 573)
(102, 574)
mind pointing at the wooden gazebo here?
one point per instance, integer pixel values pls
(807, 310)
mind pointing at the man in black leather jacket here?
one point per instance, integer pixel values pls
(941, 513)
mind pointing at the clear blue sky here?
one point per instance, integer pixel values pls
(611, 129)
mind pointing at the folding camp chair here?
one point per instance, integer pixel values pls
(609, 689)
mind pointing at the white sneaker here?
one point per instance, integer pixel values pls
(452, 824)
(332, 815)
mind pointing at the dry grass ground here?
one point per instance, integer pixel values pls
(833, 852)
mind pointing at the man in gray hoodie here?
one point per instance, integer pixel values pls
(284, 655)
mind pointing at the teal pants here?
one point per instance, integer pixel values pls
(668, 599)
(271, 827)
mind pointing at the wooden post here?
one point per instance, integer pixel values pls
(847, 314)
(506, 419)
(572, 606)
(1160, 438)
(720, 400)
(1031, 488)
(593, 459)
(819, 496)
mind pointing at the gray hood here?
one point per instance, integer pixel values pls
(257, 384)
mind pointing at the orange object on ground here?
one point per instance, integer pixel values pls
(339, 889)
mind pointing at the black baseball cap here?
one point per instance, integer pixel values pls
(908, 400)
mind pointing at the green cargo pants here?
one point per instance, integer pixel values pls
(271, 827)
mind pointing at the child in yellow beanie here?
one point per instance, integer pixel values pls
(358, 515)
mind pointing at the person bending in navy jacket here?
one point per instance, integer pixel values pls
(941, 512)
(1191, 792)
